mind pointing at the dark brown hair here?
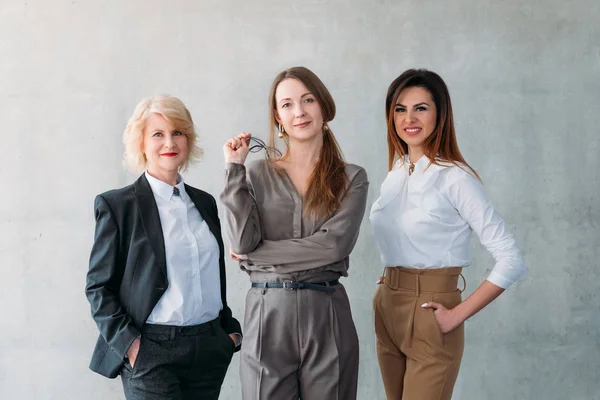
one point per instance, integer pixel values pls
(441, 145)
(328, 181)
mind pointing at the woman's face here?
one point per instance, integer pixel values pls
(414, 117)
(298, 110)
(166, 148)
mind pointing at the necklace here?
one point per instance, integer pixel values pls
(411, 169)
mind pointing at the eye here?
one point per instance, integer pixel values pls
(157, 134)
(177, 133)
(421, 108)
(285, 105)
(399, 109)
(309, 100)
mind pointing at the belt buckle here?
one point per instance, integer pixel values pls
(290, 285)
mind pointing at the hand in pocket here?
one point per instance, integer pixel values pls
(133, 351)
(446, 319)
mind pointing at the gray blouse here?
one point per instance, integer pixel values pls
(266, 222)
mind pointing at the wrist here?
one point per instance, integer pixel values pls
(235, 160)
(460, 313)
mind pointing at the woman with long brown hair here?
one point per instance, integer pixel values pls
(430, 203)
(293, 221)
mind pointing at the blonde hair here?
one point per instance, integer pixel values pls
(175, 112)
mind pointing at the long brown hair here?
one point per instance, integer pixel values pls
(441, 145)
(328, 182)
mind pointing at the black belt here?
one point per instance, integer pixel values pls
(291, 285)
(171, 331)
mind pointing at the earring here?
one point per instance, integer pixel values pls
(325, 127)
(281, 131)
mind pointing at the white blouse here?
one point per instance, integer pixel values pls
(192, 254)
(425, 221)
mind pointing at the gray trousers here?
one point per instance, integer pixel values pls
(179, 363)
(299, 344)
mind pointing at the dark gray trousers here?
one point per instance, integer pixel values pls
(299, 344)
(179, 363)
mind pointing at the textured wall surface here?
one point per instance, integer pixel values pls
(525, 82)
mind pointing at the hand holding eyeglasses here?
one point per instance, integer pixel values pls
(236, 149)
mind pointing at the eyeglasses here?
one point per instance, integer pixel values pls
(259, 145)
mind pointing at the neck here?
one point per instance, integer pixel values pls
(168, 177)
(305, 153)
(414, 154)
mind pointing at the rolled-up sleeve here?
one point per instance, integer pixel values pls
(469, 198)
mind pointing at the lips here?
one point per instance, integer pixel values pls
(168, 154)
(302, 125)
(412, 130)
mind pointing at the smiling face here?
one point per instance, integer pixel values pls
(415, 118)
(298, 110)
(165, 148)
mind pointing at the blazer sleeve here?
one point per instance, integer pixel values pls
(228, 323)
(332, 243)
(104, 279)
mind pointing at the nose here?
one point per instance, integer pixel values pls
(299, 110)
(169, 142)
(409, 116)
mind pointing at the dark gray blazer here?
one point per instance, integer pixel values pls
(128, 271)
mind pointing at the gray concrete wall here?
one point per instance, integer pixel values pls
(525, 80)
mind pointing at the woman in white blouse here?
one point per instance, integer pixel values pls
(430, 202)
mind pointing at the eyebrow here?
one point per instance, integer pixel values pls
(416, 105)
(287, 98)
(163, 131)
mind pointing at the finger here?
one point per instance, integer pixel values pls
(432, 304)
(247, 137)
(243, 140)
(231, 144)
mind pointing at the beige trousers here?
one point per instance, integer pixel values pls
(299, 344)
(417, 361)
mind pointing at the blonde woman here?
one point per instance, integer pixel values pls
(294, 220)
(156, 280)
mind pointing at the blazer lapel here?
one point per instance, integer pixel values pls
(150, 220)
(205, 209)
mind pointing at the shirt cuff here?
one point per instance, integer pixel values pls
(233, 166)
(499, 280)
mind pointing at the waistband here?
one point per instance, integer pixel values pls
(424, 280)
(309, 276)
(293, 285)
(189, 330)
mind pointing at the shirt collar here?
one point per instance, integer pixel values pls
(164, 190)
(424, 166)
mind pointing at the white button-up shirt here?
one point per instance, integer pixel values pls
(425, 220)
(192, 254)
